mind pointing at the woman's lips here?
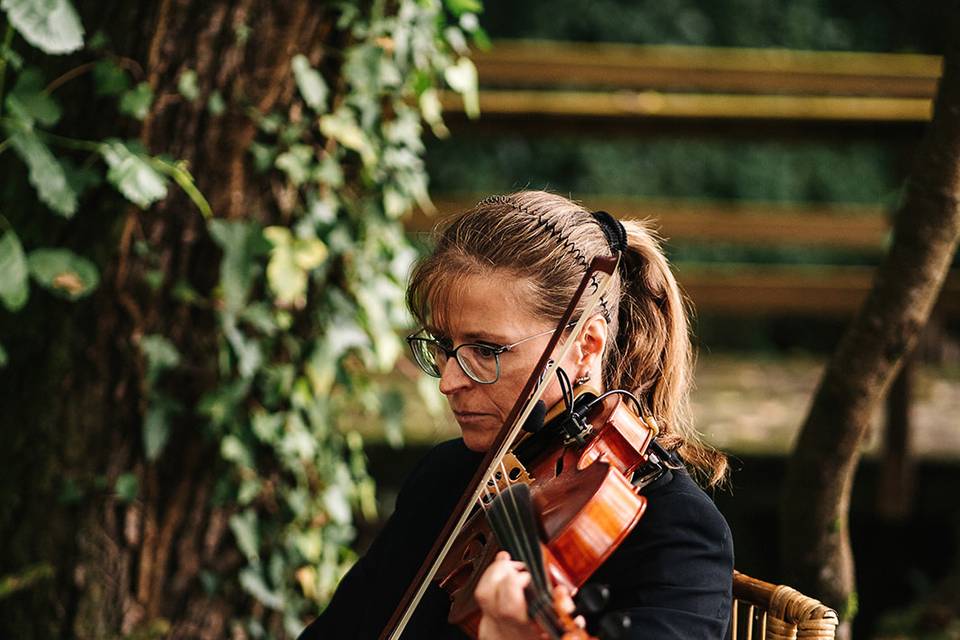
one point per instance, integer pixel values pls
(469, 416)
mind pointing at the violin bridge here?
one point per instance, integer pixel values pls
(510, 471)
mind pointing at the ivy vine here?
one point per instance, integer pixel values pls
(308, 307)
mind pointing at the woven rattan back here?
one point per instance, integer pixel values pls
(764, 611)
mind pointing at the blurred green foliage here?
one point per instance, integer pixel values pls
(844, 25)
(772, 171)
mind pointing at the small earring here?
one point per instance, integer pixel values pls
(582, 379)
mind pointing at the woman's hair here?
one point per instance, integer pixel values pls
(547, 241)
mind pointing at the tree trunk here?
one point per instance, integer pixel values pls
(815, 541)
(135, 569)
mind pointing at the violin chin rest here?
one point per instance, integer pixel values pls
(537, 418)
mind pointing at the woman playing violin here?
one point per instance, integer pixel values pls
(487, 299)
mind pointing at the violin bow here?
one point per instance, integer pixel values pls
(535, 386)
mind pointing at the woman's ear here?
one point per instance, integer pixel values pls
(593, 339)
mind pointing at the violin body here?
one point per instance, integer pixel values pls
(582, 490)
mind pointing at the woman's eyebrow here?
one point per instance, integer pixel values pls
(484, 336)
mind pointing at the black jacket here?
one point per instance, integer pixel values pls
(672, 576)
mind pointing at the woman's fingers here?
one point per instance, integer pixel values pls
(500, 591)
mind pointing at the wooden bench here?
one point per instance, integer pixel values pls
(758, 289)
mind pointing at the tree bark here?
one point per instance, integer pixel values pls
(815, 540)
(134, 569)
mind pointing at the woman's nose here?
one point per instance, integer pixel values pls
(452, 377)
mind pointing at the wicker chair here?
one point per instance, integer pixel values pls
(765, 611)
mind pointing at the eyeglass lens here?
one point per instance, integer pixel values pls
(478, 361)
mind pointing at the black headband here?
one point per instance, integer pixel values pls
(613, 230)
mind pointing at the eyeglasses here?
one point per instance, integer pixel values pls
(480, 361)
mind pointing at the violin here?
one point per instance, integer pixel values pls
(561, 498)
(562, 501)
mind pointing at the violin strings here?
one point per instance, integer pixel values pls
(513, 523)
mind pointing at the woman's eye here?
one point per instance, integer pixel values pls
(486, 352)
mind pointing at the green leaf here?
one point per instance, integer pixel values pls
(266, 426)
(45, 173)
(234, 450)
(161, 354)
(462, 78)
(312, 86)
(215, 104)
(136, 102)
(156, 426)
(127, 487)
(342, 127)
(132, 173)
(50, 25)
(458, 7)
(109, 79)
(187, 85)
(241, 242)
(3, 357)
(29, 102)
(14, 280)
(263, 156)
(253, 583)
(336, 504)
(244, 527)
(63, 272)
(291, 259)
(296, 163)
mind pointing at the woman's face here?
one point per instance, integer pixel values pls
(490, 309)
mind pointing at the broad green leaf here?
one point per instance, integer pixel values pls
(132, 173)
(266, 426)
(216, 104)
(311, 84)
(161, 354)
(50, 25)
(109, 79)
(248, 352)
(136, 102)
(45, 173)
(337, 505)
(462, 78)
(244, 527)
(458, 7)
(3, 357)
(234, 450)
(14, 277)
(156, 426)
(187, 85)
(291, 259)
(241, 242)
(29, 102)
(127, 487)
(263, 156)
(63, 272)
(296, 163)
(253, 583)
(342, 127)
(432, 111)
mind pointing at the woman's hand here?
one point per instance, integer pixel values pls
(501, 599)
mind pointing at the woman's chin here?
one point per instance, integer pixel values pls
(476, 437)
